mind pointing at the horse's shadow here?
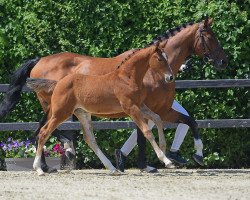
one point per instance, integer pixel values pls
(166, 172)
(198, 172)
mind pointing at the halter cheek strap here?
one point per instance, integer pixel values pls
(164, 55)
(204, 46)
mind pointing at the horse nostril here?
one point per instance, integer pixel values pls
(223, 62)
(171, 78)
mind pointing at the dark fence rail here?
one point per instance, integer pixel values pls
(223, 83)
(185, 84)
(208, 123)
(181, 84)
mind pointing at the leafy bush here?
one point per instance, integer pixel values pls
(109, 27)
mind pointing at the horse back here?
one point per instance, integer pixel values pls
(57, 66)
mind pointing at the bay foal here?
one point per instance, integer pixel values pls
(115, 92)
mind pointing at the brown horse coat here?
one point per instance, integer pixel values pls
(160, 95)
(183, 41)
(115, 92)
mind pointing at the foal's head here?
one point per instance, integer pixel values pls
(207, 45)
(151, 56)
(159, 62)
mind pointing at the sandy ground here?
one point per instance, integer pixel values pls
(98, 184)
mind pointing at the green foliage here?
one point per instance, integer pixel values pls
(30, 28)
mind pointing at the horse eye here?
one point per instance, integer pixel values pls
(209, 37)
(204, 29)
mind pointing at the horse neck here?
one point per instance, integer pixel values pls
(180, 46)
(136, 67)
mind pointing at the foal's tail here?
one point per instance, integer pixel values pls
(39, 84)
(17, 82)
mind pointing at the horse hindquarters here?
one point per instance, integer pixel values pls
(63, 99)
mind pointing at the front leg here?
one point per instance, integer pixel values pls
(137, 115)
(148, 114)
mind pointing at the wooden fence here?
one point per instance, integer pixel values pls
(181, 84)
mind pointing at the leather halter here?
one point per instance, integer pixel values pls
(207, 51)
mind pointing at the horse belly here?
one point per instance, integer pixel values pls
(99, 104)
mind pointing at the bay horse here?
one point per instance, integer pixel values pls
(183, 41)
(120, 91)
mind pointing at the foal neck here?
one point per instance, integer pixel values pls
(136, 66)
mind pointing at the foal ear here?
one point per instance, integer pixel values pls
(208, 22)
(157, 44)
(163, 44)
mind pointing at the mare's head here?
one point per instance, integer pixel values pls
(207, 45)
(159, 61)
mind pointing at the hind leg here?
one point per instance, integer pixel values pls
(65, 137)
(44, 166)
(43, 136)
(42, 122)
(61, 111)
(85, 120)
(186, 121)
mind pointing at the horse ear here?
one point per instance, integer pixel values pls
(157, 44)
(163, 44)
(208, 22)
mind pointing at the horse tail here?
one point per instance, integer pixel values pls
(17, 82)
(38, 84)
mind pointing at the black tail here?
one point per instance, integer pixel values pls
(17, 82)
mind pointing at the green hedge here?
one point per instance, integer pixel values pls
(109, 27)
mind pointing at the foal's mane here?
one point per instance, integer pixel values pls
(128, 57)
(169, 33)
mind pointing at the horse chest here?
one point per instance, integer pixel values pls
(159, 96)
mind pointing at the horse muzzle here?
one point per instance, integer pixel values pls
(169, 78)
(220, 64)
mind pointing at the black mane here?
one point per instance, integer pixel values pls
(170, 33)
(128, 57)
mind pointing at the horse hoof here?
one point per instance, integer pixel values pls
(40, 172)
(48, 169)
(115, 172)
(170, 166)
(198, 159)
(70, 155)
(120, 160)
(149, 169)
